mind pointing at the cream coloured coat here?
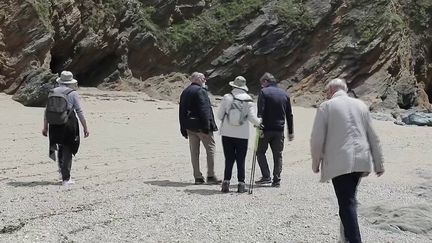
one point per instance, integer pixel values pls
(229, 130)
(343, 139)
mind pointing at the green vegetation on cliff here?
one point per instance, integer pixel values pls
(293, 15)
(43, 9)
(216, 25)
(137, 14)
(420, 15)
(371, 19)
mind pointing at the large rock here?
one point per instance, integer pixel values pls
(34, 91)
(25, 42)
(382, 48)
(418, 118)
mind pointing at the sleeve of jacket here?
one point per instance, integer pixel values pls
(252, 117)
(375, 145)
(261, 104)
(318, 137)
(204, 109)
(76, 104)
(289, 117)
(182, 115)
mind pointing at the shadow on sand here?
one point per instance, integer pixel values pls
(217, 190)
(168, 183)
(204, 192)
(33, 183)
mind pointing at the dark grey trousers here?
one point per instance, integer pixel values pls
(65, 161)
(345, 187)
(276, 141)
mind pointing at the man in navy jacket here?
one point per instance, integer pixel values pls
(274, 107)
(197, 124)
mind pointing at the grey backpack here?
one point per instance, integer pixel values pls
(236, 113)
(57, 112)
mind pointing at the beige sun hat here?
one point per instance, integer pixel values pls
(66, 77)
(240, 83)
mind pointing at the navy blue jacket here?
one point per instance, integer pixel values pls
(195, 111)
(274, 107)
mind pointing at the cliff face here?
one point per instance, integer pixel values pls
(382, 48)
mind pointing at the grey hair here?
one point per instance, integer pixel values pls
(269, 77)
(337, 83)
(195, 76)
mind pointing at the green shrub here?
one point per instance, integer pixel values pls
(141, 16)
(420, 14)
(214, 26)
(373, 19)
(293, 15)
(43, 9)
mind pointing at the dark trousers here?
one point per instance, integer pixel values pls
(276, 141)
(235, 150)
(346, 188)
(65, 161)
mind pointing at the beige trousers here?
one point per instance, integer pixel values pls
(210, 146)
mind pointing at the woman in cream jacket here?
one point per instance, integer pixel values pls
(235, 137)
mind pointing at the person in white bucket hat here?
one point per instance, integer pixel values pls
(65, 137)
(235, 112)
(66, 77)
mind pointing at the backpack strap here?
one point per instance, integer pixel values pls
(68, 91)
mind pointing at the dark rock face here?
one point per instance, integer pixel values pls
(25, 42)
(382, 48)
(35, 88)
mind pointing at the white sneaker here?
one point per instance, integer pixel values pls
(68, 183)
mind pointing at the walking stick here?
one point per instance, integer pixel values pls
(252, 177)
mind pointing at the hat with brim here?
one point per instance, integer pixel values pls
(240, 83)
(66, 77)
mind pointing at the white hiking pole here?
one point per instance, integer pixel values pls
(252, 177)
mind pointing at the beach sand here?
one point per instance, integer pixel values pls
(134, 183)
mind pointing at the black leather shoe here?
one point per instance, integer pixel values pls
(275, 184)
(263, 181)
(213, 180)
(199, 181)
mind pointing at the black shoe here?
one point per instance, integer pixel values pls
(199, 181)
(263, 181)
(225, 186)
(241, 188)
(275, 184)
(213, 180)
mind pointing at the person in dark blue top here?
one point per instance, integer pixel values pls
(197, 124)
(274, 107)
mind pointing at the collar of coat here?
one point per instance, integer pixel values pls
(339, 93)
(236, 91)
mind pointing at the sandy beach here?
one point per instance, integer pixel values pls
(134, 183)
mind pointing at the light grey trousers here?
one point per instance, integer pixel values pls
(195, 139)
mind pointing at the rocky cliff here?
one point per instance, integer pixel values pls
(383, 48)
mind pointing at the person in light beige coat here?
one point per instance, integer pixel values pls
(345, 147)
